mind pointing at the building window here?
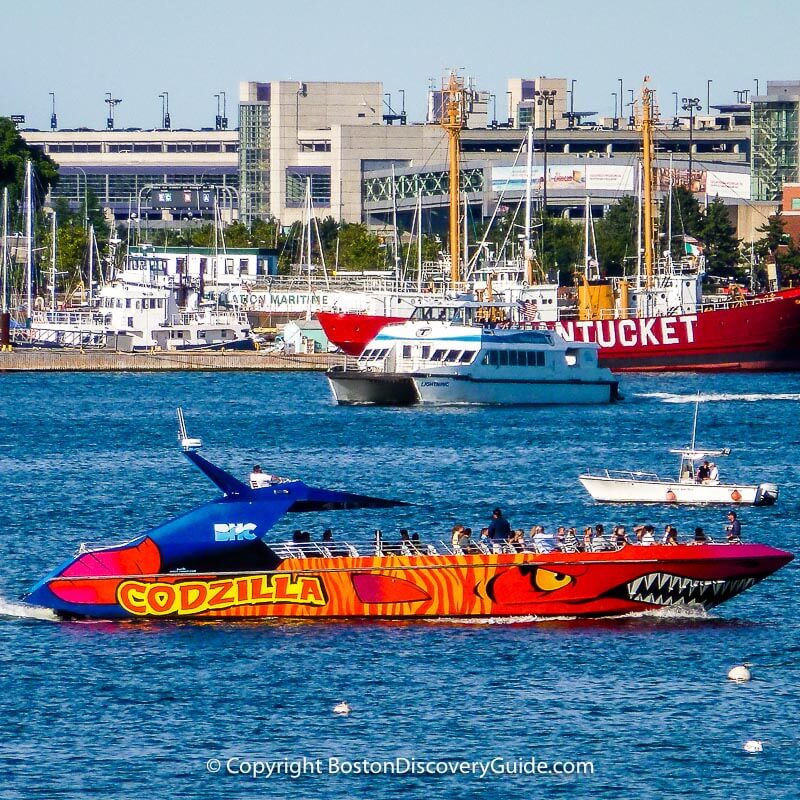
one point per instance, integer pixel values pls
(229, 266)
(296, 179)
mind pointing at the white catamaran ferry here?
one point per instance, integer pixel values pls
(471, 352)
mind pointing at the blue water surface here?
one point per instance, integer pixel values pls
(102, 710)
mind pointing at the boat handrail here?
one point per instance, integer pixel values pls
(625, 474)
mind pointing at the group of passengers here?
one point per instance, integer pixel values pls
(499, 537)
(707, 472)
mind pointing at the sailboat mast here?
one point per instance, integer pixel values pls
(308, 242)
(586, 216)
(453, 120)
(694, 426)
(91, 264)
(4, 267)
(528, 248)
(53, 265)
(419, 238)
(647, 166)
(29, 238)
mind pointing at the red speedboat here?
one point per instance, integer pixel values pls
(217, 561)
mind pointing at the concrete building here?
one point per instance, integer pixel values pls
(118, 166)
(525, 109)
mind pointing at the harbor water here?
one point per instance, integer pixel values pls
(438, 709)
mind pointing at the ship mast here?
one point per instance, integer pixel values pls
(453, 120)
(647, 167)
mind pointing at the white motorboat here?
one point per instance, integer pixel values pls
(471, 352)
(690, 487)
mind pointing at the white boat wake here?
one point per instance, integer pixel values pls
(23, 611)
(717, 397)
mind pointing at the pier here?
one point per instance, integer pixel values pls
(57, 360)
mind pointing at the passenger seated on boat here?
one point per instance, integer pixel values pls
(648, 537)
(542, 541)
(588, 535)
(703, 472)
(700, 536)
(619, 537)
(516, 541)
(455, 535)
(405, 543)
(329, 546)
(259, 479)
(713, 474)
(484, 543)
(599, 541)
(416, 544)
(571, 544)
(672, 536)
(464, 543)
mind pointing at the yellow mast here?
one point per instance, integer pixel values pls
(453, 120)
(647, 167)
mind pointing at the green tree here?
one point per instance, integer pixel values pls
(14, 152)
(561, 246)
(719, 236)
(359, 249)
(616, 236)
(687, 220)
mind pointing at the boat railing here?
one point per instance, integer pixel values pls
(625, 474)
(73, 318)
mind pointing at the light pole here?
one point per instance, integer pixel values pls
(621, 96)
(53, 117)
(676, 105)
(544, 98)
(494, 109)
(572, 103)
(630, 116)
(691, 104)
(756, 82)
(111, 101)
(510, 118)
(708, 95)
(403, 107)
(616, 118)
(165, 121)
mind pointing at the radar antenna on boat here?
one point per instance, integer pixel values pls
(188, 445)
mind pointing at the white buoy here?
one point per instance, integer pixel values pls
(753, 746)
(342, 708)
(739, 673)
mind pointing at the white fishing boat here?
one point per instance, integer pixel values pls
(471, 352)
(697, 483)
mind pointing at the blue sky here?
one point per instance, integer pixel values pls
(81, 49)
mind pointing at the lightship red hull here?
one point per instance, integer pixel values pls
(761, 335)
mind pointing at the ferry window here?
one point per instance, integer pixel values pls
(437, 355)
(242, 266)
(406, 351)
(452, 356)
(426, 351)
(486, 360)
(512, 358)
(467, 356)
(540, 358)
(503, 358)
(493, 359)
(229, 266)
(130, 322)
(127, 302)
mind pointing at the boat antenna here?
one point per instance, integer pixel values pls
(647, 166)
(694, 426)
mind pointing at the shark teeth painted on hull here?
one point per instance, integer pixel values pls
(664, 589)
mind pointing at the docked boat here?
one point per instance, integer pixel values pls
(144, 309)
(216, 562)
(697, 483)
(657, 320)
(469, 352)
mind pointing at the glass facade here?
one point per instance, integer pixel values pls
(254, 160)
(775, 135)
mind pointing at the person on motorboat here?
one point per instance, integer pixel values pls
(700, 536)
(733, 529)
(671, 538)
(703, 472)
(542, 541)
(588, 535)
(465, 541)
(259, 479)
(517, 540)
(499, 529)
(599, 541)
(648, 537)
(619, 537)
(571, 544)
(713, 474)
